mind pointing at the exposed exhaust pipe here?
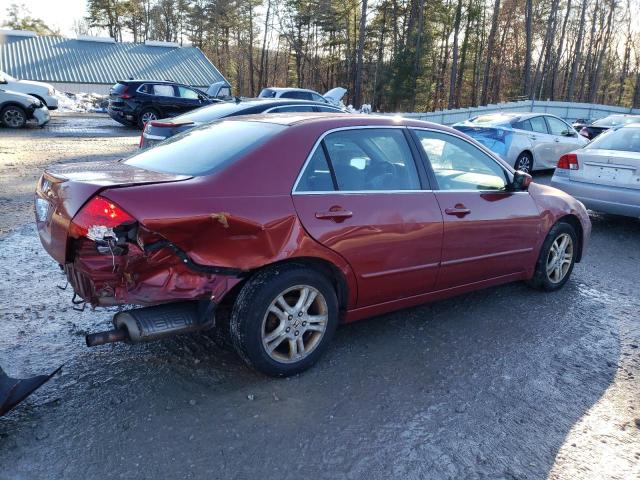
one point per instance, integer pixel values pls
(152, 323)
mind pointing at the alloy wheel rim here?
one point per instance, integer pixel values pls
(560, 258)
(148, 116)
(13, 118)
(294, 324)
(524, 165)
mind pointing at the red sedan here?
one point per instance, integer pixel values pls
(274, 229)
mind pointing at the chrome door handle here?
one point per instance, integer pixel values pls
(459, 211)
(337, 215)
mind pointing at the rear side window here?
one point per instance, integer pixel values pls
(523, 125)
(207, 149)
(146, 88)
(317, 174)
(371, 160)
(538, 125)
(163, 90)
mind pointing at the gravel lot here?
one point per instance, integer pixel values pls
(505, 383)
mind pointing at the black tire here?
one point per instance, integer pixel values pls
(541, 279)
(13, 116)
(147, 111)
(250, 317)
(524, 163)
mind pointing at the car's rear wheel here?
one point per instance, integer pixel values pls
(147, 115)
(557, 258)
(524, 162)
(13, 116)
(283, 319)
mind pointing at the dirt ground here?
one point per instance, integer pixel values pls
(504, 383)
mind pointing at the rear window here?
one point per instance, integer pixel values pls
(613, 120)
(205, 150)
(118, 88)
(624, 139)
(215, 112)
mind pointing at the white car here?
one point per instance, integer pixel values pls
(17, 108)
(528, 141)
(42, 91)
(333, 96)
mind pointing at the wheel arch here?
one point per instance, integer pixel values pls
(321, 265)
(531, 155)
(39, 98)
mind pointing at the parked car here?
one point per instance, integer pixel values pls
(605, 174)
(42, 91)
(527, 141)
(593, 129)
(158, 130)
(332, 96)
(17, 108)
(136, 102)
(294, 223)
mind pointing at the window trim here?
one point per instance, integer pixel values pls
(432, 176)
(320, 141)
(545, 124)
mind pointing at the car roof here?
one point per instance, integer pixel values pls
(291, 89)
(339, 120)
(161, 82)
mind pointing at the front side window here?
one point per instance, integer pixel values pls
(538, 125)
(458, 165)
(557, 127)
(317, 98)
(292, 108)
(163, 90)
(185, 92)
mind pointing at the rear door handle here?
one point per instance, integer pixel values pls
(459, 211)
(337, 215)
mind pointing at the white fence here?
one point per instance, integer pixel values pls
(568, 110)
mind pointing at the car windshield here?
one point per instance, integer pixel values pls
(206, 149)
(492, 119)
(613, 120)
(626, 139)
(212, 112)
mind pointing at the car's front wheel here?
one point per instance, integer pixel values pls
(557, 258)
(13, 116)
(283, 319)
(524, 162)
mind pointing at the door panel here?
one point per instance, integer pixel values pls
(488, 231)
(360, 195)
(497, 237)
(543, 144)
(392, 241)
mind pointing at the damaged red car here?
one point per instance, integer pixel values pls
(274, 229)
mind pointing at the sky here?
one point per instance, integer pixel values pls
(55, 13)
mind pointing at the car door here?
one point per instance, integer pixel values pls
(362, 195)
(164, 99)
(565, 138)
(542, 144)
(188, 99)
(489, 232)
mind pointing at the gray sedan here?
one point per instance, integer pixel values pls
(605, 174)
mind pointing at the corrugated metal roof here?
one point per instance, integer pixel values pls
(65, 60)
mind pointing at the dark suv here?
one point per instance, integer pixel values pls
(136, 102)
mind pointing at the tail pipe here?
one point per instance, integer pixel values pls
(153, 323)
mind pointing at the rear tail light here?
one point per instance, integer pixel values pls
(98, 217)
(568, 161)
(156, 123)
(125, 93)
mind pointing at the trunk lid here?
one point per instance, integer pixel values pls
(608, 167)
(63, 189)
(335, 95)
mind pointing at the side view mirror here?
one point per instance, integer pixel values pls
(521, 181)
(568, 133)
